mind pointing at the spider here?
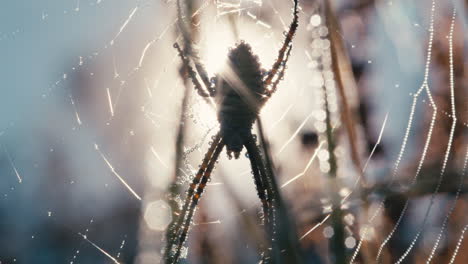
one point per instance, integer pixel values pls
(240, 93)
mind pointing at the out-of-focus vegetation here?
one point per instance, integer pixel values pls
(100, 132)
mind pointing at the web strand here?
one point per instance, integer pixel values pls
(424, 87)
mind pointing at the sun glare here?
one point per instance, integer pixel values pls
(216, 49)
(205, 114)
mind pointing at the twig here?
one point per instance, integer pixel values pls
(337, 242)
(341, 66)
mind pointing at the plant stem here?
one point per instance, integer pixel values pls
(337, 242)
(174, 189)
(343, 74)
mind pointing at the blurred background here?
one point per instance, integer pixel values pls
(93, 102)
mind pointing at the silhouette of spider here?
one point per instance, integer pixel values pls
(240, 92)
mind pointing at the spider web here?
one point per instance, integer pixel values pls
(425, 87)
(91, 101)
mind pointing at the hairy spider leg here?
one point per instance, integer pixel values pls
(193, 186)
(192, 54)
(254, 152)
(197, 179)
(191, 72)
(254, 155)
(204, 75)
(260, 186)
(282, 57)
(196, 197)
(274, 86)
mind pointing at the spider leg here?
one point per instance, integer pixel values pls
(255, 157)
(260, 185)
(274, 85)
(203, 75)
(192, 199)
(196, 180)
(254, 154)
(282, 54)
(192, 74)
(193, 54)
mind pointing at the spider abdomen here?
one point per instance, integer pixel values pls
(236, 118)
(240, 97)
